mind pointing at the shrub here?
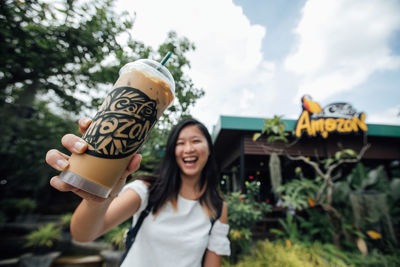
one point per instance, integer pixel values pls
(277, 254)
(45, 236)
(65, 220)
(243, 213)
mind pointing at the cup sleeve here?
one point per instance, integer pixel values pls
(142, 189)
(218, 241)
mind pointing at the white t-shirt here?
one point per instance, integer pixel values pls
(174, 238)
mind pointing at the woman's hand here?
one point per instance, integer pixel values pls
(74, 144)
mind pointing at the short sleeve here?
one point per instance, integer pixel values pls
(142, 189)
(218, 241)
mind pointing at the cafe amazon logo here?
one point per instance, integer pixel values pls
(121, 124)
(336, 117)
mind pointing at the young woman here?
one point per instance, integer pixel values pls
(183, 196)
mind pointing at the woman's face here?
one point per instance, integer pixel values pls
(191, 151)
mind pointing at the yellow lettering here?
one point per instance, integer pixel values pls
(361, 122)
(330, 125)
(348, 125)
(303, 124)
(317, 126)
(327, 125)
(340, 125)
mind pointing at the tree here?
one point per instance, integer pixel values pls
(68, 54)
(71, 50)
(56, 49)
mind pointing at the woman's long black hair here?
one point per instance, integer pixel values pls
(168, 182)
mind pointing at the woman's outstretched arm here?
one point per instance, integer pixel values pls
(95, 215)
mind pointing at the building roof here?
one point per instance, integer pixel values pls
(255, 124)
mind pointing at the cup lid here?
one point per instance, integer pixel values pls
(152, 68)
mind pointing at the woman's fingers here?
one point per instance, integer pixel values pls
(73, 143)
(60, 185)
(134, 164)
(84, 124)
(57, 160)
(86, 195)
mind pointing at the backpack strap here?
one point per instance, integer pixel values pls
(133, 230)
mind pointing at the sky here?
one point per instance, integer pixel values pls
(257, 58)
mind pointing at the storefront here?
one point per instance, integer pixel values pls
(241, 159)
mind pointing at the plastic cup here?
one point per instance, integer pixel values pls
(144, 89)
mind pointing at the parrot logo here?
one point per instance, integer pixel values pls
(311, 106)
(336, 117)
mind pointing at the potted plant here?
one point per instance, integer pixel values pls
(42, 242)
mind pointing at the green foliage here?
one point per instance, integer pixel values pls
(295, 193)
(116, 236)
(274, 129)
(394, 200)
(26, 138)
(290, 228)
(45, 236)
(240, 242)
(376, 259)
(311, 225)
(314, 224)
(65, 220)
(244, 211)
(242, 214)
(252, 196)
(366, 199)
(394, 189)
(277, 254)
(345, 153)
(363, 180)
(360, 179)
(75, 38)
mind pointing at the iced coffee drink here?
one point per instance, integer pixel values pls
(143, 91)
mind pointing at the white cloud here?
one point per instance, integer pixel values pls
(246, 97)
(341, 43)
(389, 116)
(228, 56)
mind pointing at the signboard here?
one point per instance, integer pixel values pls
(335, 117)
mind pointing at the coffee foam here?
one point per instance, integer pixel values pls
(152, 70)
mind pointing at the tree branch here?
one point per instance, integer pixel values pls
(311, 163)
(341, 161)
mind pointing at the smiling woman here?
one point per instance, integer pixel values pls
(186, 223)
(191, 152)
